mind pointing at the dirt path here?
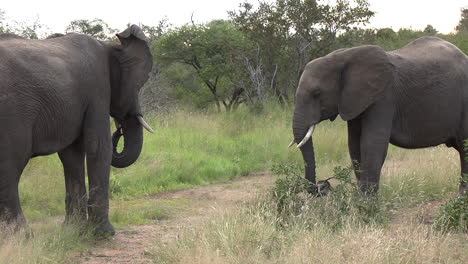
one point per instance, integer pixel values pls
(130, 245)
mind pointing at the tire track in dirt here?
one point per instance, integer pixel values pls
(130, 245)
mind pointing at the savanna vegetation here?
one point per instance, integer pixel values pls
(220, 97)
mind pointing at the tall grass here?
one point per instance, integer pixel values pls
(50, 244)
(192, 148)
(249, 237)
(292, 226)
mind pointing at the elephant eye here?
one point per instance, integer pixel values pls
(316, 93)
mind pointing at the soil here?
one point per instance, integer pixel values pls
(130, 244)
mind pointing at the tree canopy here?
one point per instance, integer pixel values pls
(255, 56)
(96, 28)
(213, 51)
(463, 23)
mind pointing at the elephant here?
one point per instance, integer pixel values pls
(412, 97)
(57, 95)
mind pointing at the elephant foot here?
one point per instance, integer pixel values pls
(15, 229)
(368, 189)
(103, 229)
(75, 220)
(463, 190)
(27, 232)
(320, 189)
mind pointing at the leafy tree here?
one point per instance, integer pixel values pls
(24, 29)
(3, 26)
(463, 24)
(386, 33)
(292, 32)
(28, 30)
(96, 28)
(212, 50)
(155, 32)
(356, 37)
(158, 92)
(430, 30)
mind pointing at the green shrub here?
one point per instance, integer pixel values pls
(290, 192)
(343, 205)
(115, 187)
(453, 215)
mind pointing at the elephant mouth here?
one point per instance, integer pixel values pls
(306, 138)
(141, 120)
(119, 132)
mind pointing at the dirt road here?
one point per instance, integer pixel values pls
(130, 245)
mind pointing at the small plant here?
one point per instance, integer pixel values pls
(347, 204)
(342, 205)
(453, 215)
(115, 187)
(290, 193)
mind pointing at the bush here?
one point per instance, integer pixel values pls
(453, 215)
(115, 187)
(290, 193)
(343, 205)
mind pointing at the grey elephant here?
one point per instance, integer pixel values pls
(413, 97)
(56, 95)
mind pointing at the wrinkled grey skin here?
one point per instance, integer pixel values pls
(414, 97)
(56, 96)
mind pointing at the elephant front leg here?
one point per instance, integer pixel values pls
(376, 126)
(354, 145)
(98, 160)
(372, 159)
(73, 158)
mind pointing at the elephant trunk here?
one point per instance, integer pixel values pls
(300, 128)
(132, 131)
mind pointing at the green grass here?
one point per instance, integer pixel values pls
(193, 148)
(144, 211)
(189, 148)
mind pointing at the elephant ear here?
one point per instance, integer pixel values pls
(135, 48)
(132, 62)
(133, 31)
(366, 73)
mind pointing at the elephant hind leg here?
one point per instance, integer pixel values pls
(463, 188)
(10, 208)
(76, 200)
(463, 151)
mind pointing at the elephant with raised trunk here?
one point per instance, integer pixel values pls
(413, 97)
(56, 96)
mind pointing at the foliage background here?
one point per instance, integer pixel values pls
(253, 58)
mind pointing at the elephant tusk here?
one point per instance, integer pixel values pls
(307, 136)
(144, 124)
(292, 143)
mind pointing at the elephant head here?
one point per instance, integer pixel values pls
(130, 65)
(344, 82)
